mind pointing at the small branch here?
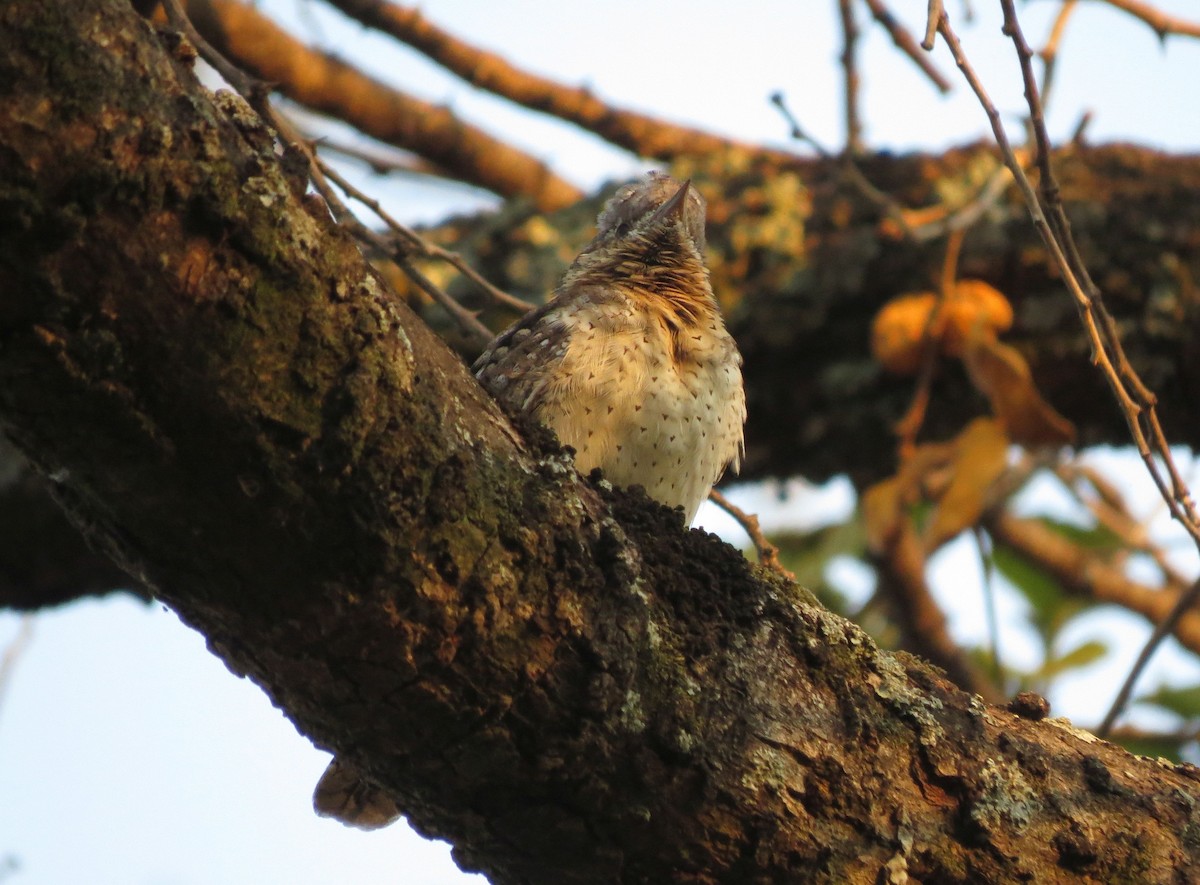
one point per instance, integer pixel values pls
(933, 16)
(1164, 25)
(901, 571)
(411, 243)
(404, 164)
(329, 85)
(1086, 575)
(907, 44)
(852, 82)
(401, 248)
(768, 553)
(988, 567)
(909, 425)
(1049, 52)
(796, 131)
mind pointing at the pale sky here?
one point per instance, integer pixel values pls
(130, 756)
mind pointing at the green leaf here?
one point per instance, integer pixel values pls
(1184, 702)
(1080, 656)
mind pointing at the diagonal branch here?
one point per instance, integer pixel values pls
(568, 686)
(639, 133)
(908, 44)
(329, 85)
(1164, 25)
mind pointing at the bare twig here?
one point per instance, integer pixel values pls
(386, 164)
(798, 132)
(852, 81)
(768, 553)
(414, 244)
(909, 425)
(1049, 52)
(1084, 574)
(901, 571)
(933, 16)
(919, 225)
(401, 248)
(907, 44)
(1162, 630)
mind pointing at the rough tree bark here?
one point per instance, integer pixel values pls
(555, 677)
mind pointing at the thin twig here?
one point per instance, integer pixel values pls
(404, 164)
(768, 553)
(988, 566)
(1049, 52)
(907, 44)
(909, 425)
(1087, 575)
(933, 16)
(852, 81)
(1162, 630)
(415, 244)
(798, 132)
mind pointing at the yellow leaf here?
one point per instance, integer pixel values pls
(981, 456)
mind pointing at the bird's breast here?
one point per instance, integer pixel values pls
(651, 405)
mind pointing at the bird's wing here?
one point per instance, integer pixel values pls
(520, 365)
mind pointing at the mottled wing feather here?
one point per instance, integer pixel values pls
(519, 364)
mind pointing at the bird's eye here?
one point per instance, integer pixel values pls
(622, 229)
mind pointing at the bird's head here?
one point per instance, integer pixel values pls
(650, 233)
(658, 205)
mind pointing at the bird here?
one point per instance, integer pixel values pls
(631, 366)
(630, 363)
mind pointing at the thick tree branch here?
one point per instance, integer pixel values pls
(641, 134)
(556, 678)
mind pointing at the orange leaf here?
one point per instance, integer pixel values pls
(898, 332)
(973, 309)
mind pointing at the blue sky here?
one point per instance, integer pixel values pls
(129, 755)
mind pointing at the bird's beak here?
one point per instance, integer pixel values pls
(673, 208)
